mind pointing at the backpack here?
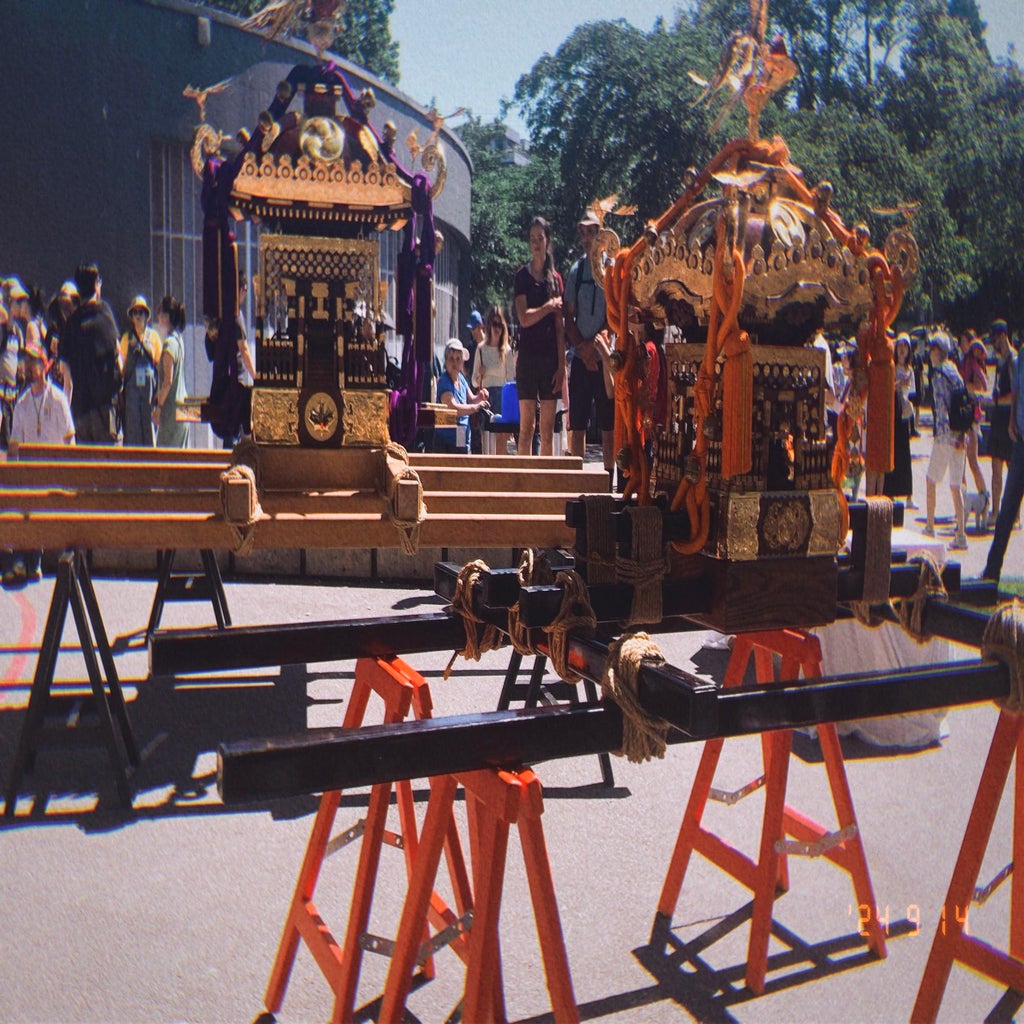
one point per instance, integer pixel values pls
(577, 273)
(961, 410)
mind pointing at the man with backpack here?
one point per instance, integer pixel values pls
(585, 318)
(88, 345)
(952, 416)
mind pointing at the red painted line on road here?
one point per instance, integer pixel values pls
(25, 640)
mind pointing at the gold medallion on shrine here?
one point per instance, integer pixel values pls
(321, 417)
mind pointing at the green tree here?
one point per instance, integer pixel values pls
(895, 102)
(962, 117)
(613, 110)
(504, 199)
(969, 12)
(365, 36)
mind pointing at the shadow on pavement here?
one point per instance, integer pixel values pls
(178, 724)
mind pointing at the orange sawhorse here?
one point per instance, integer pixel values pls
(800, 654)
(952, 943)
(494, 801)
(402, 690)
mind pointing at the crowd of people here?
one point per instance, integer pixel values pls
(116, 386)
(68, 375)
(971, 385)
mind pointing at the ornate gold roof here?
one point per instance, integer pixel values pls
(798, 259)
(274, 185)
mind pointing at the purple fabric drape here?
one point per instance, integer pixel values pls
(414, 315)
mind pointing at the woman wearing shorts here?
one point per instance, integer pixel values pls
(540, 360)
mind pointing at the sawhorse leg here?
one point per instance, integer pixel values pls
(495, 800)
(952, 943)
(73, 588)
(214, 580)
(769, 874)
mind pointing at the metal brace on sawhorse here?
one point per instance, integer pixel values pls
(73, 589)
(403, 691)
(494, 800)
(952, 943)
(769, 874)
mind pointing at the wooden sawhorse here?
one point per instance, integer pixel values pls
(73, 588)
(189, 586)
(769, 874)
(494, 800)
(403, 691)
(952, 943)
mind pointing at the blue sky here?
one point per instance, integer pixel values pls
(471, 52)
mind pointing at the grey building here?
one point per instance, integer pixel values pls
(96, 134)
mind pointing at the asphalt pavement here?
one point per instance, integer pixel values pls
(174, 912)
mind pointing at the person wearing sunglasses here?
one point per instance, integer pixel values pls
(139, 357)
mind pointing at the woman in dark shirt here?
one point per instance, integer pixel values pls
(1000, 444)
(540, 360)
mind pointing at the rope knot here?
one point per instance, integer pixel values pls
(910, 610)
(240, 505)
(408, 527)
(574, 616)
(643, 736)
(534, 571)
(1004, 640)
(477, 641)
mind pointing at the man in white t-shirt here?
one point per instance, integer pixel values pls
(41, 416)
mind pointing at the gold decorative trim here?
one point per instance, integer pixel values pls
(737, 526)
(827, 518)
(364, 417)
(279, 180)
(796, 260)
(776, 524)
(322, 417)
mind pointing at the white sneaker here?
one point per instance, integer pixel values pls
(959, 543)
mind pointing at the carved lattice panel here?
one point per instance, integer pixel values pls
(789, 397)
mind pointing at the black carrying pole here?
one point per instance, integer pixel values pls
(326, 759)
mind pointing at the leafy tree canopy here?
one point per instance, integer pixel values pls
(365, 36)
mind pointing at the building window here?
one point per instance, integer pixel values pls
(176, 257)
(176, 247)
